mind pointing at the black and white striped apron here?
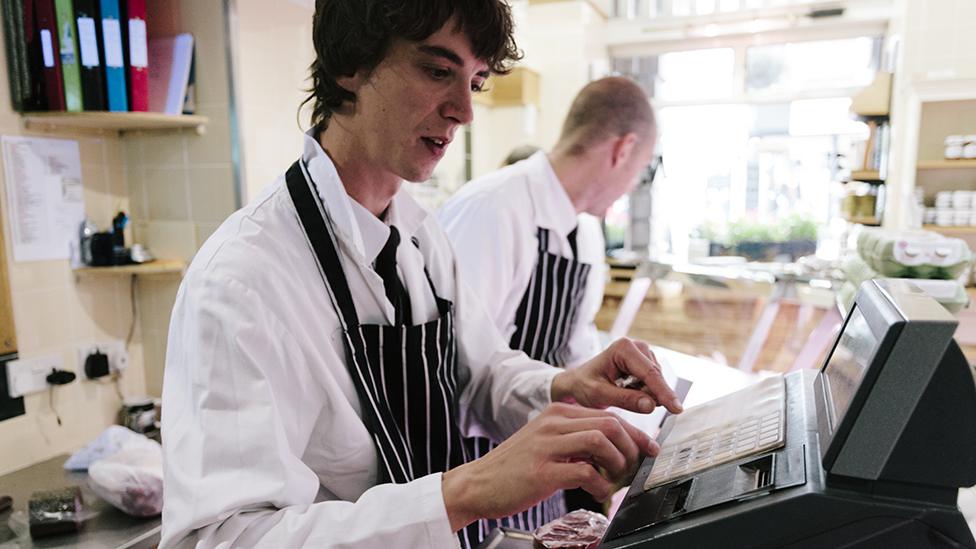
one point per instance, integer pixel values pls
(405, 375)
(544, 324)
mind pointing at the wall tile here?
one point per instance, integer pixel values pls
(212, 194)
(166, 194)
(165, 149)
(172, 239)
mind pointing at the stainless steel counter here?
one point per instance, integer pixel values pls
(110, 528)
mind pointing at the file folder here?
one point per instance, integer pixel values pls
(68, 40)
(46, 27)
(18, 66)
(114, 63)
(170, 60)
(136, 54)
(33, 95)
(90, 49)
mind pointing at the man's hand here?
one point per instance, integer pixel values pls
(594, 383)
(566, 446)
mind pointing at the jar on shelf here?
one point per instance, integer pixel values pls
(969, 149)
(954, 145)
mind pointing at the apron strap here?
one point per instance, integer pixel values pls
(313, 218)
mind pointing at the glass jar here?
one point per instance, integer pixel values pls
(969, 149)
(954, 145)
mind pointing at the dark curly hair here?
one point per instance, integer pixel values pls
(353, 35)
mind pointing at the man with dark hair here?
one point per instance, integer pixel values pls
(520, 237)
(325, 363)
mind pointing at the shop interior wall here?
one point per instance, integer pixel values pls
(936, 52)
(563, 42)
(182, 185)
(272, 49)
(55, 312)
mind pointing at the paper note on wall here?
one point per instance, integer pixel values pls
(45, 196)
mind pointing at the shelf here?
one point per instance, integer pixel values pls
(867, 176)
(114, 121)
(868, 221)
(953, 229)
(157, 267)
(964, 164)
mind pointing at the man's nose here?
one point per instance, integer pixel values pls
(458, 106)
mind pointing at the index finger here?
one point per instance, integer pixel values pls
(639, 361)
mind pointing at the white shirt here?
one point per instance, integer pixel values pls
(493, 223)
(264, 441)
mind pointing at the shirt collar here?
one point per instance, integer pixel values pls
(356, 227)
(553, 208)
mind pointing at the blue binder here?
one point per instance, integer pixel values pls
(118, 98)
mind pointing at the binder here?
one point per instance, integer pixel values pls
(16, 46)
(114, 61)
(136, 54)
(90, 50)
(33, 95)
(70, 67)
(50, 66)
(169, 62)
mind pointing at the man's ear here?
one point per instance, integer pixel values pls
(354, 82)
(622, 148)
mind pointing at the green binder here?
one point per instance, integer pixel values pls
(68, 37)
(17, 63)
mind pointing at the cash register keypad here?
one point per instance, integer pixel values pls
(744, 423)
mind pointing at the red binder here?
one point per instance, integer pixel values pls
(47, 38)
(136, 55)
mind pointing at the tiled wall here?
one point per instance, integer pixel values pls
(177, 187)
(181, 184)
(55, 312)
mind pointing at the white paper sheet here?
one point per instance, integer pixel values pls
(45, 196)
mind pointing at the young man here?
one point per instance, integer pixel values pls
(519, 236)
(325, 362)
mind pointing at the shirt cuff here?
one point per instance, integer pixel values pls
(438, 524)
(542, 396)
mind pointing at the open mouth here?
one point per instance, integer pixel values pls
(436, 144)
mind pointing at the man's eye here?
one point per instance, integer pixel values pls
(438, 73)
(477, 87)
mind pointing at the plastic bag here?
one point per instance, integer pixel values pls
(131, 479)
(580, 529)
(110, 441)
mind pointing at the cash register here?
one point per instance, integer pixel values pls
(869, 451)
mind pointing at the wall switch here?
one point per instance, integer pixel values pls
(9, 407)
(29, 376)
(118, 357)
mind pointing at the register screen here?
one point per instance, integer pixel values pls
(847, 364)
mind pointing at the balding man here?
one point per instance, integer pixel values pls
(524, 246)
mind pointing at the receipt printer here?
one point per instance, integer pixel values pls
(869, 451)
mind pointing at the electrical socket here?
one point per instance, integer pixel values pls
(30, 376)
(118, 357)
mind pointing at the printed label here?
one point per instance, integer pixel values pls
(113, 42)
(47, 47)
(88, 42)
(67, 44)
(138, 56)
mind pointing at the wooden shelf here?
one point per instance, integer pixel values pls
(114, 121)
(157, 267)
(965, 164)
(868, 176)
(955, 229)
(869, 221)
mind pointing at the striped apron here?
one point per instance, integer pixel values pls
(405, 375)
(544, 323)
